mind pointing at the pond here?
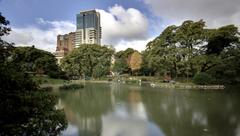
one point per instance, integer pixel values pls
(132, 110)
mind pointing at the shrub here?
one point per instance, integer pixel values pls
(144, 79)
(47, 88)
(131, 81)
(71, 87)
(202, 79)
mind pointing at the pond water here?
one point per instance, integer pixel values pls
(128, 110)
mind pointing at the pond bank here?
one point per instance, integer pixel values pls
(160, 85)
(186, 86)
(176, 85)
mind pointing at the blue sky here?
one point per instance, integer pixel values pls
(24, 12)
(126, 23)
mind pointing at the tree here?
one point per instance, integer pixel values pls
(189, 49)
(12, 78)
(88, 60)
(122, 59)
(161, 54)
(35, 60)
(30, 114)
(5, 47)
(24, 108)
(135, 61)
(221, 38)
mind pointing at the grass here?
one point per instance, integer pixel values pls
(48, 80)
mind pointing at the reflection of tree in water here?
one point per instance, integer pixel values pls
(84, 108)
(193, 113)
(30, 114)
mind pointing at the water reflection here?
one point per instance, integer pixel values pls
(85, 108)
(129, 119)
(120, 110)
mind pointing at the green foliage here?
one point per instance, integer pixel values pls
(88, 60)
(48, 80)
(12, 79)
(122, 59)
(202, 79)
(38, 61)
(120, 65)
(5, 47)
(221, 38)
(30, 114)
(188, 49)
(227, 70)
(47, 88)
(24, 110)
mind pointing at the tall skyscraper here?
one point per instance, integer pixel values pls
(88, 28)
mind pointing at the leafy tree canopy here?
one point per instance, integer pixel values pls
(88, 60)
(188, 49)
(24, 109)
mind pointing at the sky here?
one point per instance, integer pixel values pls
(125, 23)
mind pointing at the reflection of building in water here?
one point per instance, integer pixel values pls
(129, 119)
(72, 130)
(136, 105)
(59, 105)
(85, 108)
(86, 126)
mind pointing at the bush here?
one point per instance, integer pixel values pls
(57, 75)
(131, 81)
(202, 79)
(47, 88)
(144, 79)
(71, 87)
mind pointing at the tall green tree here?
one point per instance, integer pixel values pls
(189, 49)
(88, 60)
(24, 109)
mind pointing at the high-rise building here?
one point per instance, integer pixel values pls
(88, 28)
(65, 44)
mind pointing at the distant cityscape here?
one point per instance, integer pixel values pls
(88, 31)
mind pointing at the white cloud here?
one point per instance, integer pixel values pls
(121, 28)
(214, 12)
(139, 45)
(41, 38)
(123, 25)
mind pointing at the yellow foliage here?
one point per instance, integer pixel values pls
(135, 61)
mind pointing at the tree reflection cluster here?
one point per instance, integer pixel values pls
(150, 111)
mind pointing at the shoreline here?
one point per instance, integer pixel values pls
(160, 85)
(188, 86)
(152, 84)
